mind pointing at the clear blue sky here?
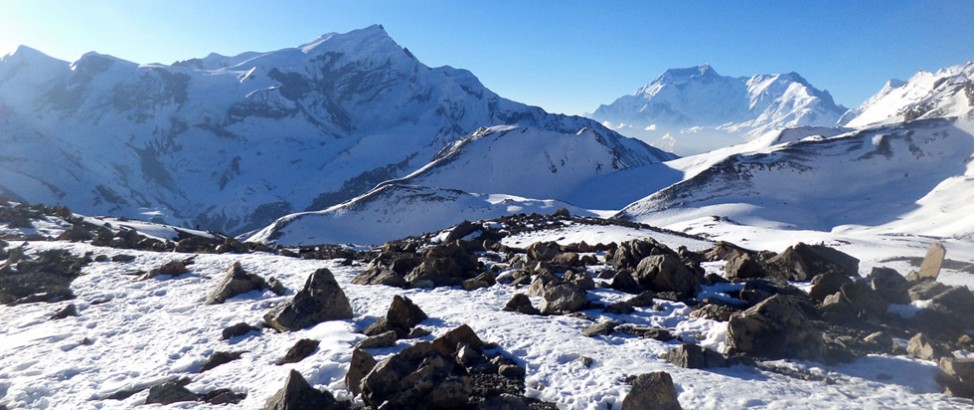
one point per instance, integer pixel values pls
(565, 56)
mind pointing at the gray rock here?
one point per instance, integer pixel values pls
(743, 266)
(922, 347)
(235, 281)
(320, 300)
(301, 349)
(362, 363)
(692, 356)
(219, 358)
(890, 285)
(238, 329)
(581, 279)
(297, 394)
(448, 343)
(776, 328)
(802, 262)
(482, 280)
(652, 391)
(926, 290)
(563, 298)
(931, 266)
(168, 393)
(417, 377)
(667, 273)
(386, 339)
(522, 304)
(403, 314)
(824, 285)
(600, 329)
(955, 374)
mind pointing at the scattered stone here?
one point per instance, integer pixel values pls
(644, 299)
(922, 347)
(890, 285)
(123, 258)
(931, 266)
(403, 314)
(585, 360)
(802, 262)
(743, 266)
(692, 356)
(824, 285)
(168, 393)
(725, 251)
(619, 308)
(483, 280)
(543, 251)
(581, 279)
(276, 286)
(362, 363)
(419, 376)
(563, 298)
(235, 281)
(652, 391)
(926, 290)
(69, 310)
(223, 396)
(600, 329)
(503, 402)
(522, 304)
(776, 328)
(624, 281)
(447, 344)
(320, 300)
(172, 268)
(955, 375)
(218, 359)
(385, 339)
(302, 349)
(721, 313)
(298, 395)
(666, 272)
(238, 329)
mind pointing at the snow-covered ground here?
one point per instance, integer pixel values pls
(142, 332)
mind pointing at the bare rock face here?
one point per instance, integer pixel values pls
(320, 300)
(652, 391)
(802, 262)
(667, 273)
(297, 394)
(776, 328)
(931, 266)
(235, 281)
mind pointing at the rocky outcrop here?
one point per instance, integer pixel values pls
(802, 262)
(44, 277)
(667, 273)
(320, 300)
(417, 377)
(776, 328)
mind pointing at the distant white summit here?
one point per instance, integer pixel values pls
(693, 110)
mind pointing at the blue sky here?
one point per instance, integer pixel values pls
(565, 56)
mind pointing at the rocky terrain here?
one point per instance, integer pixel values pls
(508, 313)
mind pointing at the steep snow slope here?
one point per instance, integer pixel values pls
(231, 143)
(393, 211)
(693, 110)
(945, 93)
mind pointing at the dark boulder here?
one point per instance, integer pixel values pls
(235, 281)
(692, 356)
(563, 298)
(776, 328)
(600, 329)
(385, 339)
(301, 349)
(417, 377)
(652, 391)
(362, 363)
(666, 273)
(955, 374)
(522, 304)
(890, 285)
(297, 394)
(69, 310)
(168, 393)
(238, 329)
(802, 262)
(827, 284)
(320, 300)
(742, 267)
(219, 358)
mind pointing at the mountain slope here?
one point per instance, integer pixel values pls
(393, 211)
(693, 110)
(231, 143)
(945, 93)
(870, 177)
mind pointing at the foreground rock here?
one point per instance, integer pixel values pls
(400, 318)
(320, 300)
(298, 395)
(45, 277)
(776, 328)
(955, 374)
(802, 262)
(652, 391)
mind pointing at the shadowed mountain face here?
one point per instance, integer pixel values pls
(231, 143)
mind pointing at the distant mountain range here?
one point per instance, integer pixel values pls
(232, 143)
(693, 110)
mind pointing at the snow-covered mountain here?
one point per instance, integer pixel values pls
(394, 211)
(231, 143)
(945, 93)
(692, 110)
